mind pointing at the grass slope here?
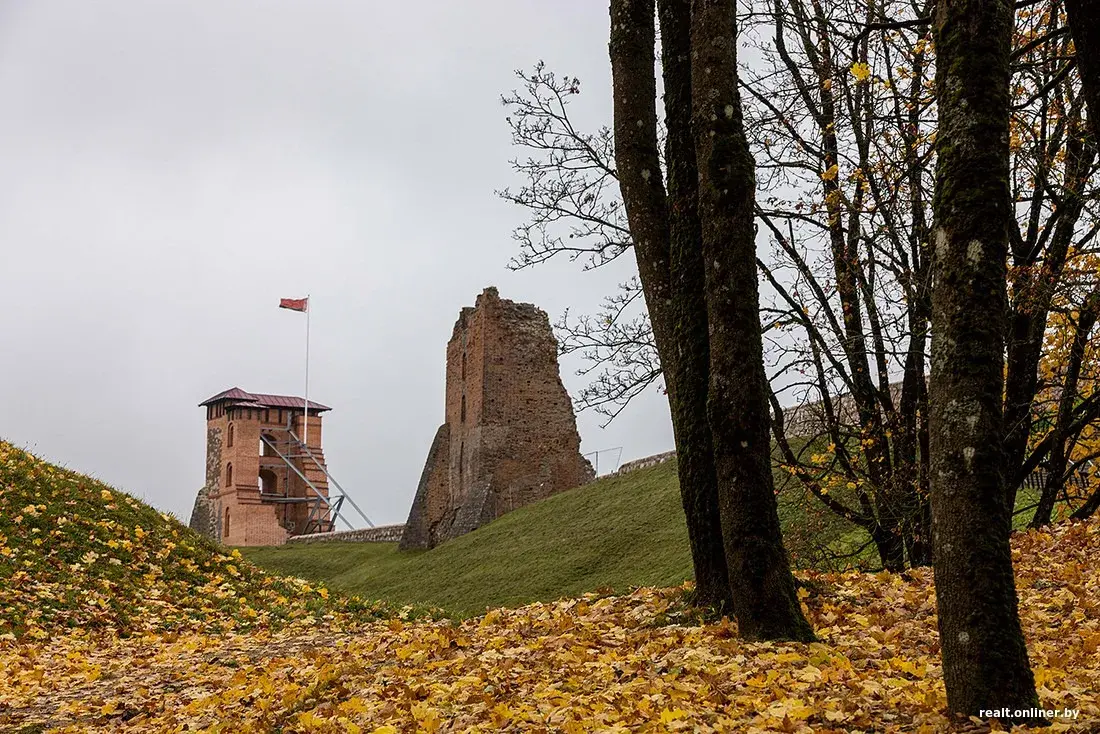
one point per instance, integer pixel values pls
(615, 533)
(76, 553)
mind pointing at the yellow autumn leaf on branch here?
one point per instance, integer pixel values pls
(831, 173)
(861, 71)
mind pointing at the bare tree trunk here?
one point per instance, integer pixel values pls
(985, 664)
(1091, 505)
(1060, 454)
(890, 546)
(676, 308)
(1033, 301)
(764, 599)
(1084, 26)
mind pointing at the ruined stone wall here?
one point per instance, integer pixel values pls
(646, 462)
(378, 534)
(432, 494)
(511, 433)
(204, 515)
(530, 442)
(809, 419)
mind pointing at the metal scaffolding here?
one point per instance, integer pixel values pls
(324, 510)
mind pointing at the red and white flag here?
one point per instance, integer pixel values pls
(294, 304)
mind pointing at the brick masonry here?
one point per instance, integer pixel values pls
(509, 436)
(379, 534)
(243, 501)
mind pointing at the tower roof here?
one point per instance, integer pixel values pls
(238, 398)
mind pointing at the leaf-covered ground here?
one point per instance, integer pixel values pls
(592, 664)
(77, 554)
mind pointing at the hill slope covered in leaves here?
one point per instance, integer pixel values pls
(96, 588)
(617, 664)
(77, 554)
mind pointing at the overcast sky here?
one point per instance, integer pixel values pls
(169, 170)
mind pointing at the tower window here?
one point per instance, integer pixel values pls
(463, 364)
(269, 482)
(462, 411)
(225, 526)
(229, 440)
(229, 474)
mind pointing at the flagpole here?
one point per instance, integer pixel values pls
(305, 406)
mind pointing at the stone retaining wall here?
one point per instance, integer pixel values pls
(379, 534)
(646, 462)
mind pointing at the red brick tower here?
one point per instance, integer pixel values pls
(263, 484)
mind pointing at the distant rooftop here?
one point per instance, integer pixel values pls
(238, 398)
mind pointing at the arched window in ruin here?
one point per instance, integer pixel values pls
(229, 439)
(463, 364)
(229, 474)
(269, 483)
(225, 526)
(462, 411)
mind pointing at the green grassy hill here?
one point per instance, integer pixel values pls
(616, 533)
(78, 554)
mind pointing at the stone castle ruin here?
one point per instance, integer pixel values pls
(509, 437)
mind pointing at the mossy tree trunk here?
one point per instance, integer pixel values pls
(688, 310)
(664, 228)
(764, 599)
(985, 664)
